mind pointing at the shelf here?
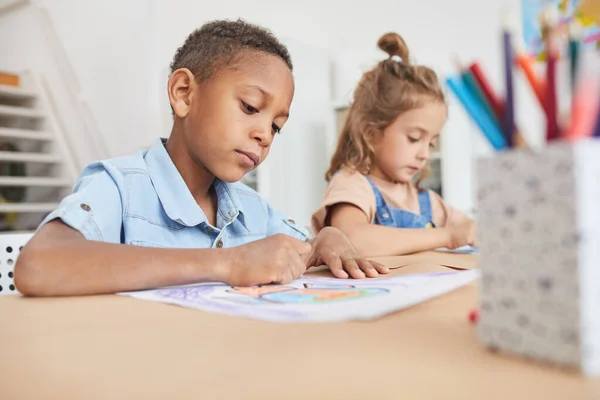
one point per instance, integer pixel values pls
(27, 207)
(15, 93)
(12, 133)
(20, 112)
(17, 156)
(33, 181)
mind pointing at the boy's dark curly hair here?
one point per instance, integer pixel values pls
(220, 43)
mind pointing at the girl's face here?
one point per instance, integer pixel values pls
(229, 121)
(404, 147)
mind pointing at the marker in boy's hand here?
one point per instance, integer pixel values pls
(275, 259)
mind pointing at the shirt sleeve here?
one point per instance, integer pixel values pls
(279, 223)
(346, 187)
(94, 208)
(444, 215)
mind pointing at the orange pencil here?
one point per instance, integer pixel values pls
(525, 63)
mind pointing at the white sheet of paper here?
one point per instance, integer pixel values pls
(313, 299)
(460, 250)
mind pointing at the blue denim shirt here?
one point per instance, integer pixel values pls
(142, 200)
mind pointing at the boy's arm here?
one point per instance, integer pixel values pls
(375, 240)
(58, 260)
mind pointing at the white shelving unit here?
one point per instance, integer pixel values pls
(36, 170)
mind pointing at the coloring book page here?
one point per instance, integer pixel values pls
(313, 299)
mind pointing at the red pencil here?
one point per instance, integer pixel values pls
(487, 89)
(496, 102)
(586, 100)
(551, 103)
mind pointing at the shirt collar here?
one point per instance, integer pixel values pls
(176, 198)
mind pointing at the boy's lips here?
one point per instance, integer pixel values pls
(251, 157)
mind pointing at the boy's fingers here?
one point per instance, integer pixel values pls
(382, 269)
(299, 267)
(367, 268)
(335, 265)
(352, 269)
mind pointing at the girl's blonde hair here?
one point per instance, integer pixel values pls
(391, 88)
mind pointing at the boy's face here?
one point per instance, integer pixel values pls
(229, 121)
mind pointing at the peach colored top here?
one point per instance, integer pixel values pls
(352, 187)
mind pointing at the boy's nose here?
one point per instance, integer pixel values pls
(262, 136)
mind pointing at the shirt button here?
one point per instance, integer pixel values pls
(209, 229)
(220, 244)
(291, 221)
(85, 207)
(385, 215)
(429, 225)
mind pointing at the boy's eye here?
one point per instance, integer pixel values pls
(249, 108)
(276, 129)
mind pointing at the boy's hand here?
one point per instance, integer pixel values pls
(333, 248)
(275, 259)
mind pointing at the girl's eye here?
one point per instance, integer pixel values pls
(432, 145)
(412, 140)
(276, 129)
(249, 108)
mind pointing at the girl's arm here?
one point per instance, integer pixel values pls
(375, 240)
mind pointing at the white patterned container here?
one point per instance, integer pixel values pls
(539, 232)
(10, 248)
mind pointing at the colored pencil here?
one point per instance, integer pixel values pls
(477, 112)
(551, 104)
(494, 100)
(508, 122)
(525, 63)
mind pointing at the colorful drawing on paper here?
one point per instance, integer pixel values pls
(313, 299)
(568, 11)
(308, 294)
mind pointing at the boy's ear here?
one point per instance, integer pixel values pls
(180, 86)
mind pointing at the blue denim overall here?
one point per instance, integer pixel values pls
(390, 216)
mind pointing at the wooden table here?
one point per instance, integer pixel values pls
(111, 347)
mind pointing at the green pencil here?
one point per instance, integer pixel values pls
(574, 49)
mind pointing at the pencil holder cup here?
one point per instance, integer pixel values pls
(539, 233)
(10, 248)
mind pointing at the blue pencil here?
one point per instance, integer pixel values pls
(477, 113)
